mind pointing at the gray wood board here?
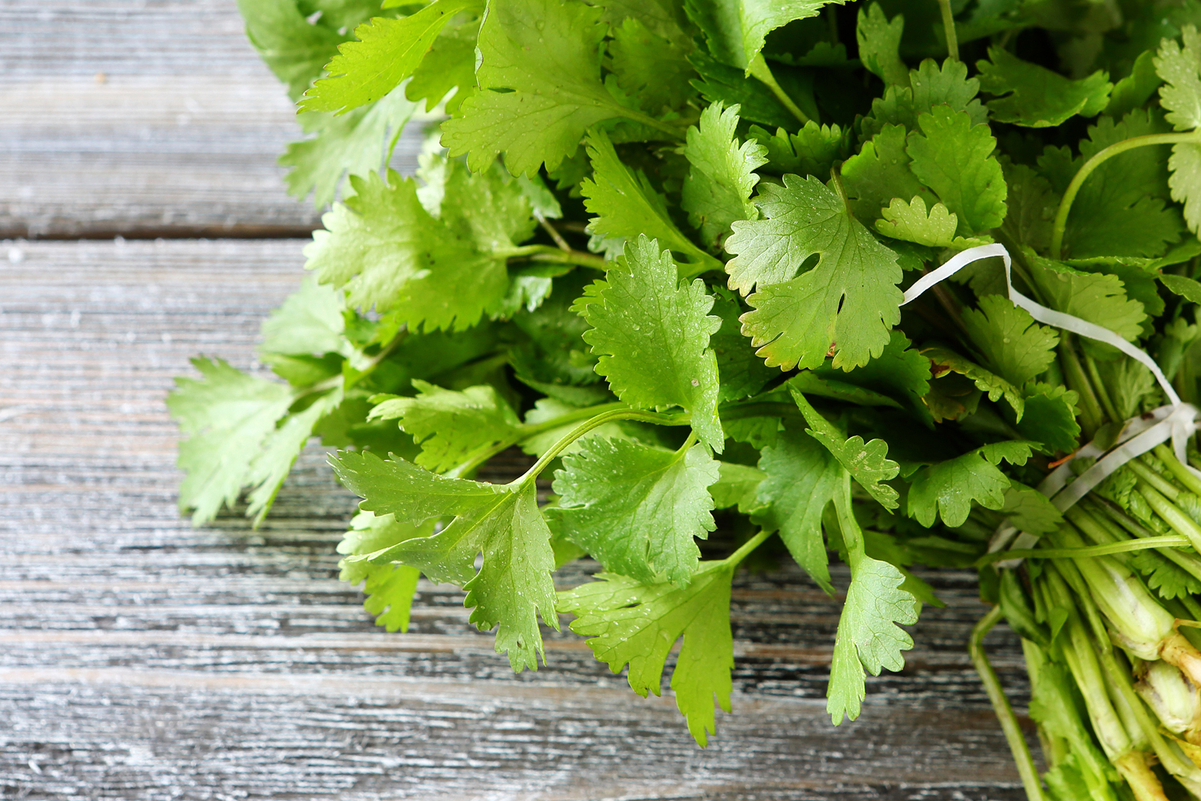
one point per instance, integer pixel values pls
(144, 119)
(141, 658)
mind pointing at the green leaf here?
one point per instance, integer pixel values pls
(294, 49)
(357, 143)
(879, 41)
(948, 489)
(1027, 509)
(512, 586)
(1180, 69)
(386, 53)
(849, 299)
(389, 253)
(389, 587)
(869, 636)
(227, 416)
(899, 372)
(718, 188)
(813, 150)
(737, 487)
(540, 86)
(449, 66)
(449, 425)
(742, 373)
(547, 409)
(1135, 89)
(279, 452)
(881, 172)
(652, 336)
(627, 206)
(635, 624)
(930, 86)
(1036, 97)
(650, 67)
(801, 480)
(910, 221)
(944, 361)
(1096, 297)
(953, 156)
(1121, 210)
(637, 509)
(1168, 579)
(721, 83)
(1031, 205)
(1185, 182)
(1013, 345)
(1185, 287)
(867, 463)
(1050, 418)
(824, 386)
(309, 322)
(736, 29)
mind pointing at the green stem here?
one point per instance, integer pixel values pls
(1091, 550)
(638, 116)
(524, 432)
(745, 549)
(948, 26)
(588, 425)
(1098, 386)
(1065, 205)
(760, 70)
(1155, 480)
(1002, 708)
(333, 382)
(554, 255)
(1091, 414)
(1187, 477)
(1171, 514)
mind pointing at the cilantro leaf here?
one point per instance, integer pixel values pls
(227, 415)
(945, 361)
(629, 623)
(545, 55)
(389, 586)
(929, 87)
(386, 52)
(879, 41)
(650, 67)
(813, 150)
(737, 487)
(735, 30)
(636, 509)
(391, 254)
(898, 373)
(953, 156)
(948, 489)
(626, 205)
(1096, 297)
(721, 83)
(547, 409)
(309, 322)
(513, 584)
(1050, 417)
(867, 463)
(1031, 205)
(881, 172)
(357, 143)
(450, 425)
(868, 632)
(802, 477)
(1168, 579)
(1185, 181)
(294, 49)
(449, 66)
(911, 221)
(652, 336)
(1179, 67)
(1035, 96)
(718, 188)
(742, 373)
(848, 299)
(1016, 347)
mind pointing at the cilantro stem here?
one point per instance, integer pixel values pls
(554, 255)
(553, 232)
(646, 119)
(1098, 386)
(596, 422)
(948, 26)
(745, 549)
(760, 70)
(1092, 550)
(1000, 704)
(1091, 415)
(1065, 205)
(341, 380)
(524, 432)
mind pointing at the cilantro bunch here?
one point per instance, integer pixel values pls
(661, 248)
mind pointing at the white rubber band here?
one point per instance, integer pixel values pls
(1176, 421)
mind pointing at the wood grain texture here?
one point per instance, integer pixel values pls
(151, 118)
(141, 658)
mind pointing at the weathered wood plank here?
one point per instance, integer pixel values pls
(140, 657)
(143, 119)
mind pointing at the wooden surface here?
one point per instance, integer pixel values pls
(144, 659)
